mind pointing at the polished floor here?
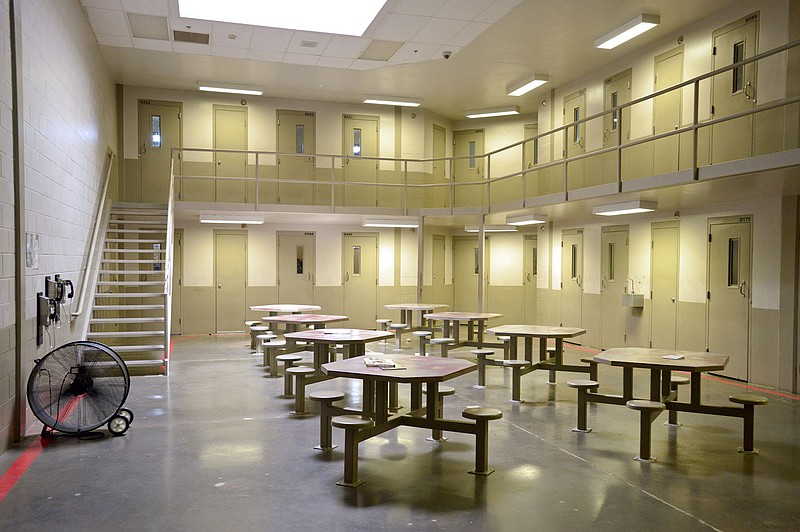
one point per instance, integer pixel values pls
(213, 447)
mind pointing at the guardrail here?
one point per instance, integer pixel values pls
(168, 269)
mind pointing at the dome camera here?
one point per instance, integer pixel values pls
(446, 54)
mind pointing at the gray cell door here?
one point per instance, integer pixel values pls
(575, 109)
(465, 274)
(734, 91)
(437, 290)
(360, 268)
(664, 268)
(296, 268)
(441, 194)
(230, 279)
(617, 91)
(360, 139)
(159, 132)
(296, 135)
(230, 133)
(530, 271)
(613, 279)
(468, 145)
(728, 313)
(572, 278)
(668, 71)
(177, 283)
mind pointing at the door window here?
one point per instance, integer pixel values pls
(733, 262)
(356, 260)
(155, 131)
(300, 139)
(357, 142)
(299, 259)
(738, 72)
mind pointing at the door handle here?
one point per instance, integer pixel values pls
(673, 299)
(219, 163)
(529, 276)
(748, 91)
(742, 288)
(219, 287)
(578, 281)
(346, 276)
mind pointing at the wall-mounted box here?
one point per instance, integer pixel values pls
(633, 300)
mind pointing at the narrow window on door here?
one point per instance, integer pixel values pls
(356, 260)
(733, 262)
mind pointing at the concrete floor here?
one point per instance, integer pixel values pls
(213, 447)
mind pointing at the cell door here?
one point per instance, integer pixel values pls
(230, 279)
(466, 260)
(437, 290)
(296, 268)
(613, 279)
(530, 158)
(360, 140)
(572, 278)
(617, 91)
(667, 111)
(575, 109)
(360, 255)
(441, 193)
(664, 267)
(159, 132)
(296, 135)
(230, 133)
(734, 91)
(468, 168)
(177, 283)
(530, 266)
(728, 314)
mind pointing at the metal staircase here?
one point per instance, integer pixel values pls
(131, 300)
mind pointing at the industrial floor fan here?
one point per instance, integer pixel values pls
(78, 387)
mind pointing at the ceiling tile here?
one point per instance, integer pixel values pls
(334, 62)
(148, 26)
(300, 59)
(191, 24)
(105, 4)
(367, 64)
(302, 41)
(345, 46)
(227, 51)
(191, 48)
(462, 9)
(413, 52)
(439, 30)
(150, 7)
(419, 7)
(271, 39)
(152, 44)
(265, 55)
(397, 27)
(468, 34)
(221, 31)
(113, 40)
(497, 10)
(108, 22)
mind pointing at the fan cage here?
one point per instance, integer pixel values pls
(78, 387)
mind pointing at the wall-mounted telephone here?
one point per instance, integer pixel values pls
(49, 304)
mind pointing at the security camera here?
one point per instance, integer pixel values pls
(446, 54)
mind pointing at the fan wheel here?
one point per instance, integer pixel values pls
(126, 413)
(118, 425)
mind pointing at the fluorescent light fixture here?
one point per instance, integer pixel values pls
(526, 219)
(211, 86)
(343, 17)
(405, 221)
(490, 229)
(526, 85)
(498, 111)
(626, 207)
(391, 100)
(239, 219)
(627, 31)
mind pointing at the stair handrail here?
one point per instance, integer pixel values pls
(168, 267)
(98, 226)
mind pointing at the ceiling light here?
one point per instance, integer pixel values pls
(526, 219)
(490, 229)
(343, 17)
(239, 219)
(626, 207)
(405, 221)
(627, 31)
(526, 85)
(497, 111)
(387, 100)
(210, 86)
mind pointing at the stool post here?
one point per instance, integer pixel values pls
(747, 443)
(645, 435)
(350, 459)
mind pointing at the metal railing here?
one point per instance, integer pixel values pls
(406, 185)
(168, 270)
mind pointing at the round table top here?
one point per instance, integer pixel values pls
(461, 316)
(414, 306)
(643, 357)
(537, 331)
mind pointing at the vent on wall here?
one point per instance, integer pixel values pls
(190, 36)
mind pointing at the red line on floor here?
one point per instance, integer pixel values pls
(20, 465)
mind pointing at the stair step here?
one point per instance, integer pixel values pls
(144, 363)
(135, 348)
(123, 334)
(101, 308)
(131, 272)
(137, 240)
(129, 294)
(140, 222)
(133, 261)
(129, 283)
(132, 250)
(139, 212)
(105, 321)
(138, 205)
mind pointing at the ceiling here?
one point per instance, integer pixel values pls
(493, 43)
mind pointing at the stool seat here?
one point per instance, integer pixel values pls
(679, 380)
(516, 363)
(275, 343)
(482, 352)
(326, 395)
(398, 326)
(267, 336)
(644, 405)
(443, 390)
(422, 333)
(481, 413)
(383, 320)
(443, 340)
(301, 370)
(748, 399)
(582, 383)
(352, 422)
(289, 358)
(251, 323)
